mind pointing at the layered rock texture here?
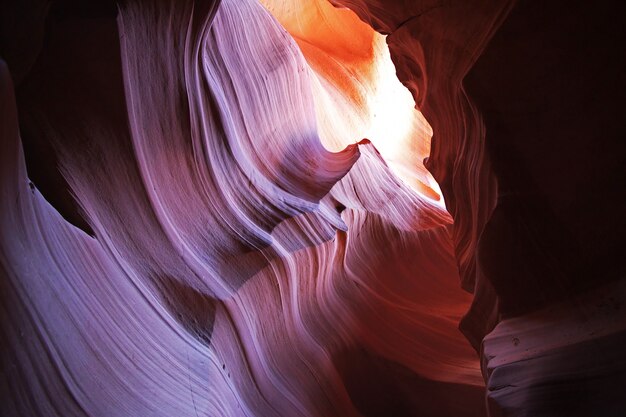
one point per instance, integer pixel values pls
(298, 208)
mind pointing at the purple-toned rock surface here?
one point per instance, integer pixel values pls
(235, 208)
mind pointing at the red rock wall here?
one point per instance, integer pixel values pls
(544, 260)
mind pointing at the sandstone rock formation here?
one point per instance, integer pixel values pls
(524, 94)
(233, 207)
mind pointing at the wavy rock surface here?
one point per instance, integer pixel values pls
(433, 47)
(188, 227)
(228, 208)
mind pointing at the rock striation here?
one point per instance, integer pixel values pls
(200, 217)
(298, 208)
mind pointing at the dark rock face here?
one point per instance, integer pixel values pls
(550, 88)
(66, 87)
(379, 387)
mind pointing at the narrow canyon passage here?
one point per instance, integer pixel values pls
(312, 208)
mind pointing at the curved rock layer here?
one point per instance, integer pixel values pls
(228, 208)
(193, 225)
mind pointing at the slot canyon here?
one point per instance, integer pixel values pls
(376, 208)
